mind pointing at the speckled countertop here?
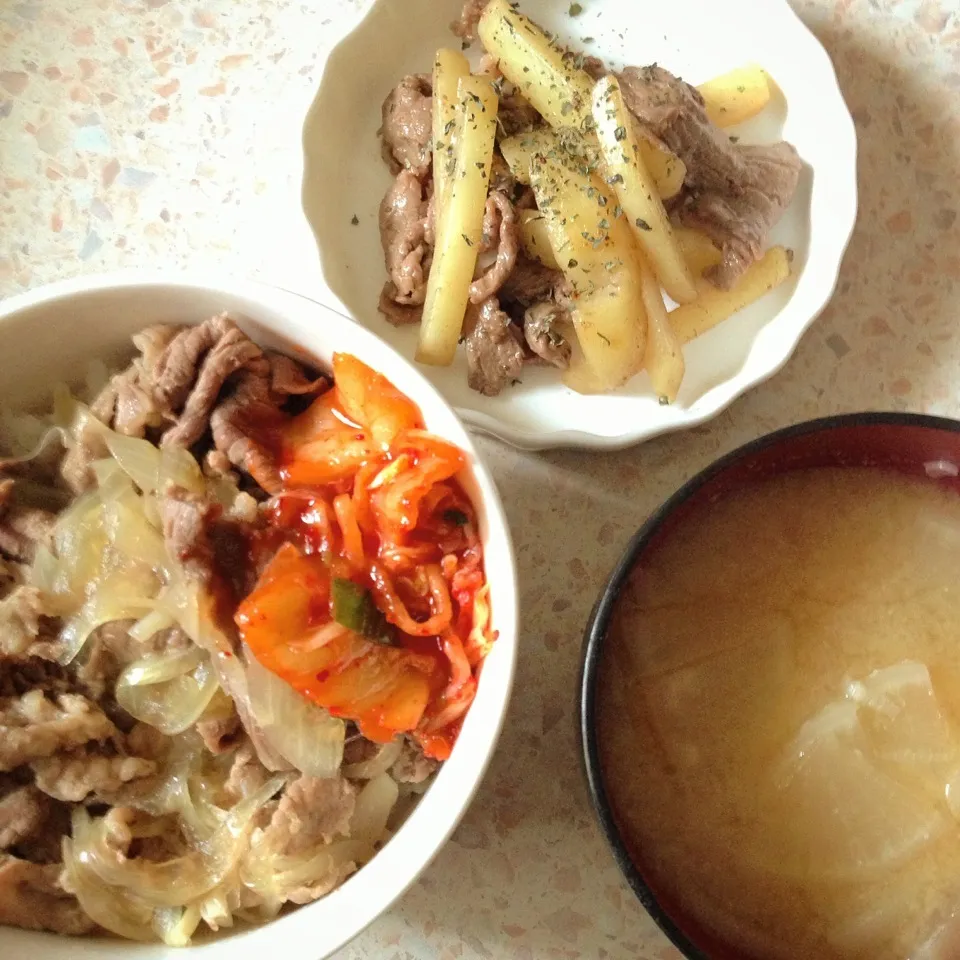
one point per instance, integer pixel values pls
(156, 133)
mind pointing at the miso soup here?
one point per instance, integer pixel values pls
(779, 718)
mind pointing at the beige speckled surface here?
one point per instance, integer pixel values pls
(147, 132)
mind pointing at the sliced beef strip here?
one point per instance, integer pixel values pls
(23, 812)
(495, 354)
(250, 412)
(175, 368)
(396, 313)
(24, 630)
(530, 282)
(288, 378)
(34, 726)
(213, 376)
(247, 773)
(595, 67)
(407, 125)
(735, 193)
(187, 519)
(403, 237)
(412, 766)
(231, 352)
(542, 331)
(31, 897)
(76, 466)
(148, 742)
(127, 404)
(501, 232)
(311, 811)
(21, 675)
(45, 843)
(740, 224)
(75, 774)
(516, 115)
(667, 108)
(466, 26)
(22, 527)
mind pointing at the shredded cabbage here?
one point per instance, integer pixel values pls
(297, 729)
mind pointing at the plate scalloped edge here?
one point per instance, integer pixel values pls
(832, 212)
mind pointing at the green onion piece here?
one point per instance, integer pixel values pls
(353, 608)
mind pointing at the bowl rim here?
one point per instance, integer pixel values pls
(595, 634)
(273, 297)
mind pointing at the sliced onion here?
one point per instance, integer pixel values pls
(374, 805)
(183, 600)
(136, 540)
(215, 910)
(171, 706)
(385, 757)
(112, 482)
(152, 623)
(159, 668)
(297, 729)
(176, 925)
(107, 603)
(44, 571)
(178, 467)
(117, 910)
(273, 877)
(78, 542)
(184, 879)
(139, 459)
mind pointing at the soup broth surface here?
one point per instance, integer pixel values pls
(779, 718)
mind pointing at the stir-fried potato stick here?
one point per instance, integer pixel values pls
(595, 251)
(448, 68)
(460, 227)
(736, 96)
(543, 71)
(627, 173)
(521, 148)
(698, 249)
(713, 306)
(535, 238)
(666, 168)
(664, 353)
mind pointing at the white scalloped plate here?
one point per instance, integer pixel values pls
(344, 176)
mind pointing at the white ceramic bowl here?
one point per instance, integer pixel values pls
(49, 335)
(344, 176)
